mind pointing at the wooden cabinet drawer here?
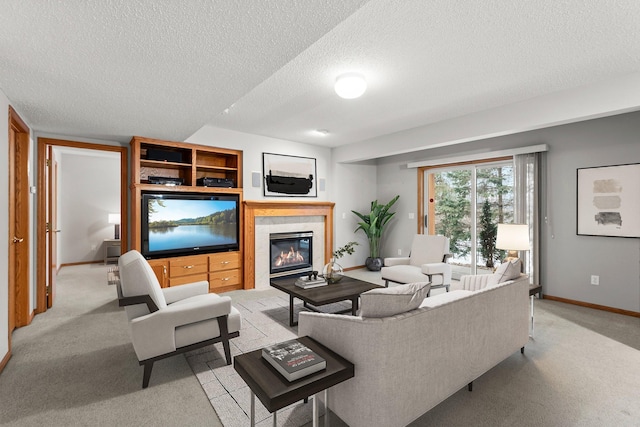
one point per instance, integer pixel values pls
(160, 269)
(186, 266)
(224, 261)
(224, 278)
(176, 281)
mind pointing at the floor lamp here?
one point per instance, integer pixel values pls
(513, 238)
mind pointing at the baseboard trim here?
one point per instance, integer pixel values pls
(357, 267)
(5, 360)
(594, 306)
(69, 264)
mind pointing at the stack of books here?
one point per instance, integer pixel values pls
(306, 283)
(293, 359)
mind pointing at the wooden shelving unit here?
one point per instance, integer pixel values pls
(189, 162)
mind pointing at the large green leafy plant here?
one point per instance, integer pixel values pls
(373, 223)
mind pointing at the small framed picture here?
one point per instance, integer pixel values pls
(609, 201)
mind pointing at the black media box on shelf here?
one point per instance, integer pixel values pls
(164, 180)
(216, 182)
(164, 155)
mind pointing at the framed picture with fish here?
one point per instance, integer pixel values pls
(609, 201)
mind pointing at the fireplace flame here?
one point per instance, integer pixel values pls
(286, 258)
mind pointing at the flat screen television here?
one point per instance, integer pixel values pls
(175, 224)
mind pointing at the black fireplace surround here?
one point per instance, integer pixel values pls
(291, 254)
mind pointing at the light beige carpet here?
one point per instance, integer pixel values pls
(75, 366)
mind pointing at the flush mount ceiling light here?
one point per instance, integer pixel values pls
(321, 132)
(350, 85)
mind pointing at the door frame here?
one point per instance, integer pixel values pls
(41, 232)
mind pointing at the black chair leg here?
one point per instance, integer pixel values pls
(224, 335)
(148, 366)
(521, 350)
(470, 386)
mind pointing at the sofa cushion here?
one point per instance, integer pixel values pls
(391, 301)
(509, 270)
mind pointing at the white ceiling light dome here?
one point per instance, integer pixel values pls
(350, 85)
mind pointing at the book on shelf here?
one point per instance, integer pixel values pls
(293, 359)
(306, 283)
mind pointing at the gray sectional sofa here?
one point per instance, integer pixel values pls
(408, 363)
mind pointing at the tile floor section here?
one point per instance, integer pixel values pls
(264, 322)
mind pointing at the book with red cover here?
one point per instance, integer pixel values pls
(293, 359)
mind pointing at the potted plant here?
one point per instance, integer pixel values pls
(372, 225)
(333, 271)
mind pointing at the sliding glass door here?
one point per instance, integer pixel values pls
(466, 203)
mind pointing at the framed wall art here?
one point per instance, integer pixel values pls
(609, 201)
(289, 176)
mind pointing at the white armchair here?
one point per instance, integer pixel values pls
(507, 271)
(170, 321)
(428, 258)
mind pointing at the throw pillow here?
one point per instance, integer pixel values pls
(507, 271)
(390, 301)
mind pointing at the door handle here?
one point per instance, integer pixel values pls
(57, 231)
(17, 240)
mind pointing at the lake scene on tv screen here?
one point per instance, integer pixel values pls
(178, 224)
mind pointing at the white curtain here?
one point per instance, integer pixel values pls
(528, 176)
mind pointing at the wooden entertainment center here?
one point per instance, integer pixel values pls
(188, 163)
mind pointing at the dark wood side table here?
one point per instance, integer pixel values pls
(534, 289)
(275, 392)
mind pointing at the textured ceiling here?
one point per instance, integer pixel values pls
(163, 68)
(112, 69)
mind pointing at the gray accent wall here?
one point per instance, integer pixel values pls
(567, 260)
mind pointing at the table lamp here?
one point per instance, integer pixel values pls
(114, 218)
(513, 238)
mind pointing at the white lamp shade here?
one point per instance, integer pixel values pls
(350, 85)
(514, 237)
(114, 218)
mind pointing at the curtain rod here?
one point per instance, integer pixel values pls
(480, 156)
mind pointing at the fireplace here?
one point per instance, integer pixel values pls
(291, 254)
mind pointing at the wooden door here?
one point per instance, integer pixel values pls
(18, 297)
(52, 225)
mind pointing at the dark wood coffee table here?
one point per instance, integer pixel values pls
(347, 288)
(275, 392)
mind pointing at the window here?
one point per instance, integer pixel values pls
(465, 203)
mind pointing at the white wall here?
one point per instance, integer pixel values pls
(89, 189)
(567, 260)
(355, 189)
(4, 228)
